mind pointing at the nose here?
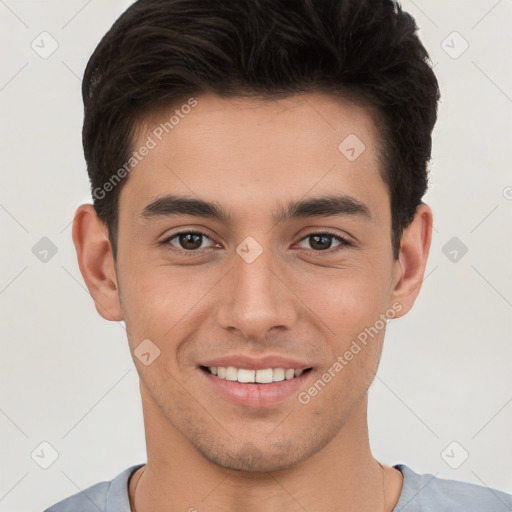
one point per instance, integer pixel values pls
(256, 298)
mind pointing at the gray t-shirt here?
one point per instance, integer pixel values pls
(420, 493)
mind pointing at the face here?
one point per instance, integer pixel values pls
(289, 265)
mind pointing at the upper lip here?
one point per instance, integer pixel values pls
(256, 363)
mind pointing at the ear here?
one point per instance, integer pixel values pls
(414, 249)
(96, 262)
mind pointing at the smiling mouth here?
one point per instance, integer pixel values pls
(263, 376)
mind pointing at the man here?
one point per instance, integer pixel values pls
(257, 169)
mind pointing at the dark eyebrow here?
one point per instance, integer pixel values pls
(180, 205)
(322, 206)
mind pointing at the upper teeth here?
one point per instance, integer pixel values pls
(261, 376)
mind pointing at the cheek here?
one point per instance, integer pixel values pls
(349, 301)
(351, 310)
(159, 302)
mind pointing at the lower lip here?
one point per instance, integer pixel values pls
(256, 395)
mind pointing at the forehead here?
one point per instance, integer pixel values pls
(249, 152)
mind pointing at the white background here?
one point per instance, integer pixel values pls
(67, 376)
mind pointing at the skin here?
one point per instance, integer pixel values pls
(250, 156)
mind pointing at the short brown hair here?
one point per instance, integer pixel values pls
(162, 51)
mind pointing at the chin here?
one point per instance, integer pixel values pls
(260, 456)
(250, 459)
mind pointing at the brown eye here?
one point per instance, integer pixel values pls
(189, 241)
(322, 242)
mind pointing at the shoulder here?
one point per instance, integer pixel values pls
(91, 499)
(109, 496)
(427, 493)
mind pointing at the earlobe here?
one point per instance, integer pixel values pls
(96, 262)
(412, 260)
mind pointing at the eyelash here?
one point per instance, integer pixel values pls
(166, 243)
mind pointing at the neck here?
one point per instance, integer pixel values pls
(342, 476)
